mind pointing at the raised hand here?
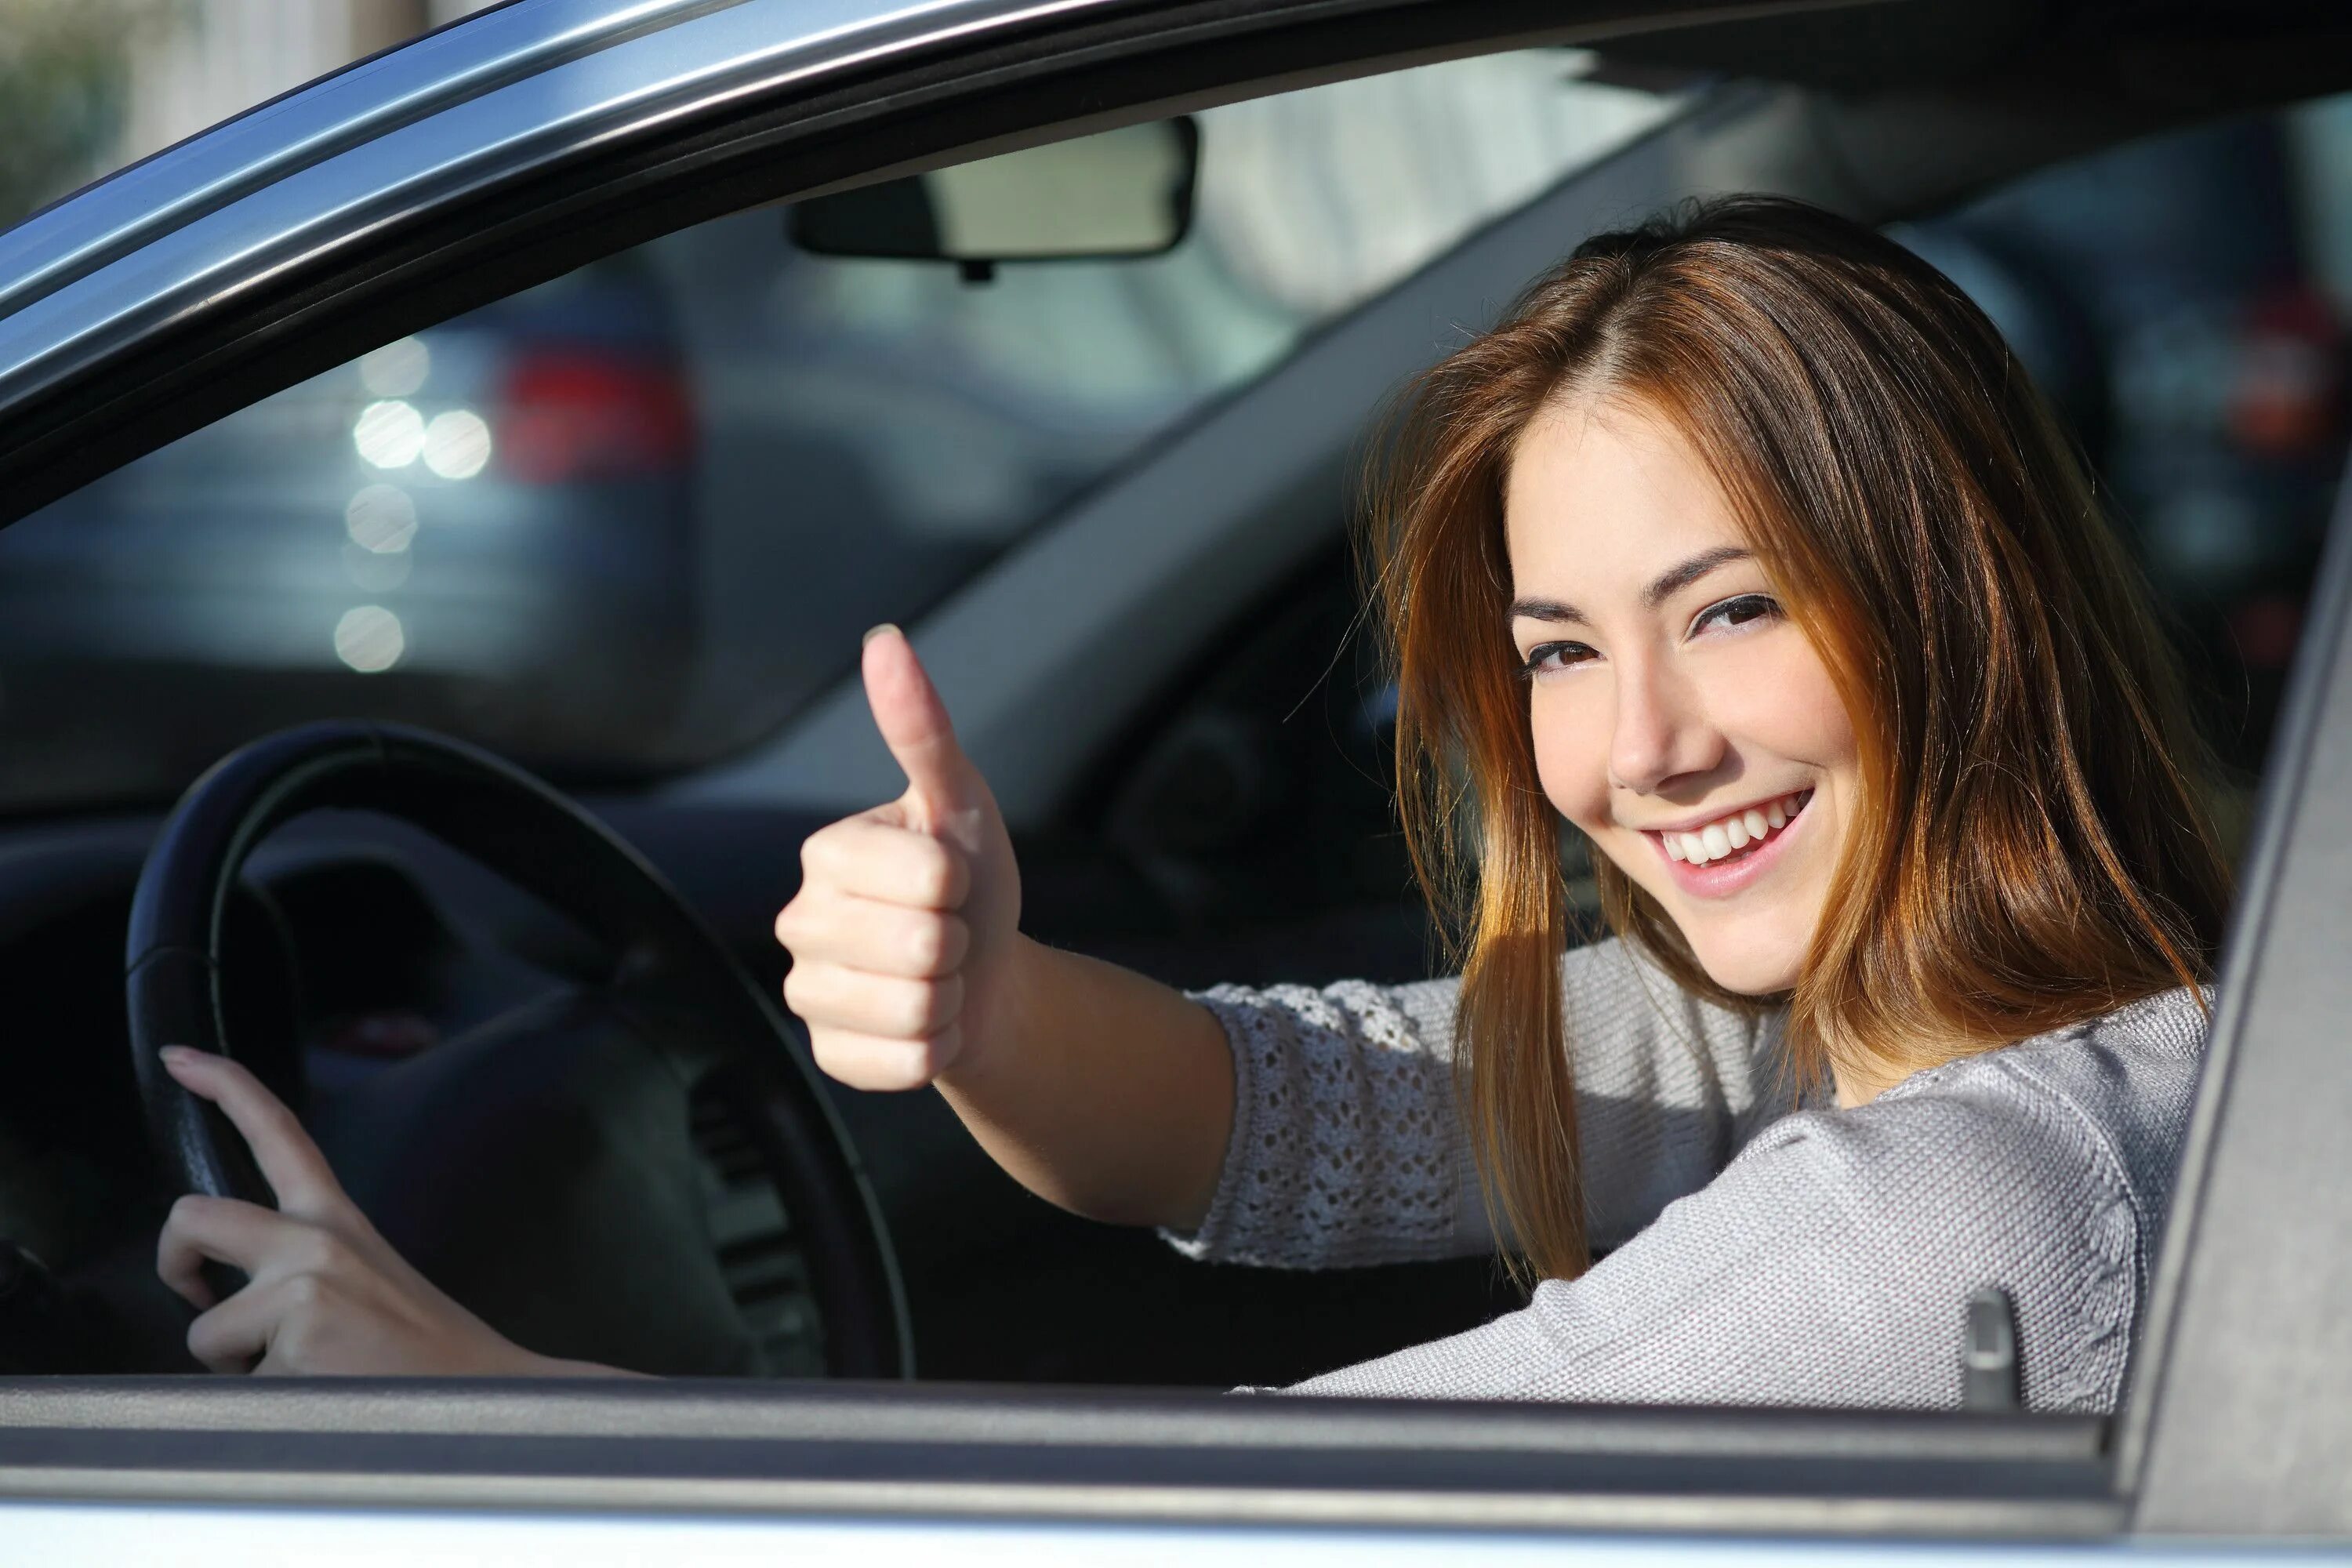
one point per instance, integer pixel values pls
(325, 1293)
(903, 931)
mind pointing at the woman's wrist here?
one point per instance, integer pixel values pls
(1001, 1016)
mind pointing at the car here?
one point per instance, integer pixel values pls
(534, 1023)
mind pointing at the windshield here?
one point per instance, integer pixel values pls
(630, 521)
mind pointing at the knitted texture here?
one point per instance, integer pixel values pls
(1761, 1253)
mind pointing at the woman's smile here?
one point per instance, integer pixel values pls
(1716, 856)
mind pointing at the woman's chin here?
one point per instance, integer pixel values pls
(1747, 970)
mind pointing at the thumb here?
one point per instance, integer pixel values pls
(941, 785)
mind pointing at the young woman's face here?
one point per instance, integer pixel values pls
(1681, 719)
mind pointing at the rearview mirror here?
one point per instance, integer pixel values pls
(1121, 192)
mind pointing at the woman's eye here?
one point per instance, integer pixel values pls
(1550, 656)
(1745, 610)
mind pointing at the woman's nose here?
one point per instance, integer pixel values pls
(1661, 731)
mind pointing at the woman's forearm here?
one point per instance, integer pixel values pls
(1100, 1090)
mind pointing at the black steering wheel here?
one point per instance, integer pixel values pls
(672, 989)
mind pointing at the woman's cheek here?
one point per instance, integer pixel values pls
(1572, 757)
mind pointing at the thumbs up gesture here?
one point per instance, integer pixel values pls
(907, 915)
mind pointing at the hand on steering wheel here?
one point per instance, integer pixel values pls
(327, 1293)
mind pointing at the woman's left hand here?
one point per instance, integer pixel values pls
(326, 1294)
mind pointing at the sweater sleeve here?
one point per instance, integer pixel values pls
(1828, 1265)
(1348, 1146)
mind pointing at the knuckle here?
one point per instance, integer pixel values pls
(321, 1252)
(947, 1002)
(818, 846)
(925, 945)
(864, 1062)
(940, 875)
(800, 990)
(955, 940)
(296, 1344)
(908, 1011)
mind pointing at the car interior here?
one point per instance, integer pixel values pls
(1110, 496)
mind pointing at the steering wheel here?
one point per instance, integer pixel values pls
(672, 989)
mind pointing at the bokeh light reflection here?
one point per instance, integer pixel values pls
(389, 435)
(369, 638)
(381, 519)
(458, 444)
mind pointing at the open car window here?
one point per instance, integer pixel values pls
(629, 521)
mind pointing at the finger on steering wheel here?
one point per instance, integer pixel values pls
(240, 1333)
(290, 1162)
(202, 1229)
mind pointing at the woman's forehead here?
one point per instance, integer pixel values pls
(1604, 495)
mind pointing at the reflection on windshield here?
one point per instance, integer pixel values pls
(631, 520)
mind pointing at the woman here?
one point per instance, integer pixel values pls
(1742, 545)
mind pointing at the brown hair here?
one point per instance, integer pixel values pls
(2034, 847)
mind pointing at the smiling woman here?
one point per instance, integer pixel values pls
(1740, 546)
(1834, 553)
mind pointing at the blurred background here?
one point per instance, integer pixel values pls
(628, 522)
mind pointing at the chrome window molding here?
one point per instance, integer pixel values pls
(141, 204)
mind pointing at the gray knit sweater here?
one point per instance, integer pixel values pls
(1761, 1253)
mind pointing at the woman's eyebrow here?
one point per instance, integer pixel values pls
(1544, 610)
(1674, 579)
(1667, 583)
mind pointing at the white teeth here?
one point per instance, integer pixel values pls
(1737, 831)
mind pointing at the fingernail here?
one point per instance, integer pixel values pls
(178, 1054)
(874, 632)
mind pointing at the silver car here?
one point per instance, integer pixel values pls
(1104, 482)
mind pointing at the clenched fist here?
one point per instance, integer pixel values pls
(905, 927)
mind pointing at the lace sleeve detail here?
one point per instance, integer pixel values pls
(1345, 1148)
(1348, 1146)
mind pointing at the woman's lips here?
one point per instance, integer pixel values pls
(1726, 853)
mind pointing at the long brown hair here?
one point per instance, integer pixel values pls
(2033, 846)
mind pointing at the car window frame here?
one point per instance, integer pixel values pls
(678, 138)
(1123, 1455)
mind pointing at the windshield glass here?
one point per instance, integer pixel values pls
(630, 521)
